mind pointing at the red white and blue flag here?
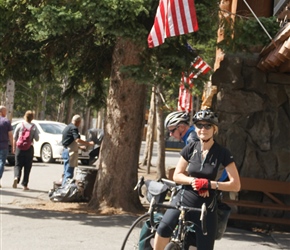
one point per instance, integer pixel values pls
(184, 97)
(173, 18)
(186, 83)
(201, 66)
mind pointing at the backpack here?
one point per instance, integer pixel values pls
(24, 142)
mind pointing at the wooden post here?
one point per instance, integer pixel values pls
(228, 9)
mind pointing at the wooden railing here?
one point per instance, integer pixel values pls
(271, 189)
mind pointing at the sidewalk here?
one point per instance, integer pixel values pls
(29, 221)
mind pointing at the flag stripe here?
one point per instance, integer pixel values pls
(173, 18)
(184, 99)
(193, 25)
(156, 35)
(184, 15)
(201, 66)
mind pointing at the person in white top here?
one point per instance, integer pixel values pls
(24, 156)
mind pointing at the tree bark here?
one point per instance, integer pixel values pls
(147, 156)
(69, 114)
(43, 104)
(86, 120)
(118, 163)
(9, 101)
(100, 119)
(228, 10)
(61, 106)
(161, 172)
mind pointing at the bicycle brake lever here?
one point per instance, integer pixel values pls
(139, 185)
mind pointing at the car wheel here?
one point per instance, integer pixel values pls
(46, 153)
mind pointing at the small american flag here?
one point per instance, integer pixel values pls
(184, 98)
(201, 66)
(173, 18)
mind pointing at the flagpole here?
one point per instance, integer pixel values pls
(258, 20)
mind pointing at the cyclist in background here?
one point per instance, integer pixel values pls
(198, 170)
(177, 124)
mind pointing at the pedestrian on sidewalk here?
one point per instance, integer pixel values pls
(71, 140)
(6, 135)
(24, 155)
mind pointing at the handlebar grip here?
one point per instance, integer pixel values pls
(139, 185)
(203, 219)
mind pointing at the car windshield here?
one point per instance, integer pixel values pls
(52, 128)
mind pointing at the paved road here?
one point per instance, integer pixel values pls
(26, 228)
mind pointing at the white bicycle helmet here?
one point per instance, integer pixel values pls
(206, 115)
(176, 117)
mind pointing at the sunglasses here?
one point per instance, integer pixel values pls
(172, 130)
(207, 126)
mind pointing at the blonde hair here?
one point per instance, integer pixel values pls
(216, 129)
(29, 115)
(2, 108)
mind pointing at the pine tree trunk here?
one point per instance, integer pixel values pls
(118, 163)
(86, 120)
(61, 106)
(9, 101)
(43, 105)
(147, 156)
(100, 119)
(69, 113)
(161, 173)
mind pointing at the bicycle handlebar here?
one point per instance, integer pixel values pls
(182, 208)
(178, 207)
(139, 185)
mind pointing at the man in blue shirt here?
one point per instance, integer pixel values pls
(177, 124)
(71, 140)
(6, 135)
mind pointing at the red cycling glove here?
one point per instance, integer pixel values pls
(201, 183)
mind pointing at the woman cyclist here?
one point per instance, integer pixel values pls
(198, 170)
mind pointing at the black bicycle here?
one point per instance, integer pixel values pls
(141, 233)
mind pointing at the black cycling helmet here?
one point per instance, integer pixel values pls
(206, 115)
(176, 117)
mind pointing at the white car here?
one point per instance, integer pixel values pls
(49, 147)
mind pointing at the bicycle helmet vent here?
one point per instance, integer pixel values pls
(206, 115)
(176, 117)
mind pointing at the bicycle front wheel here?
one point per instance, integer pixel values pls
(139, 234)
(172, 246)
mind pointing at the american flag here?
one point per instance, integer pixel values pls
(201, 66)
(173, 18)
(184, 99)
(198, 63)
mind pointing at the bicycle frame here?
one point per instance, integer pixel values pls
(182, 226)
(178, 237)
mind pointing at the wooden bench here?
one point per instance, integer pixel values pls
(271, 189)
